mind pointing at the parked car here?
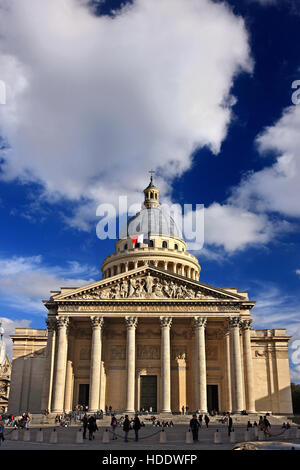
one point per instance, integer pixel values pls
(269, 445)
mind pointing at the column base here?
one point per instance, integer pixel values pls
(165, 412)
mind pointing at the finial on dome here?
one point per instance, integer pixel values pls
(151, 193)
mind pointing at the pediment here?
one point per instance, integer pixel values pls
(147, 283)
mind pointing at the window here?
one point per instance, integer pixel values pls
(164, 244)
(125, 246)
(151, 243)
(176, 246)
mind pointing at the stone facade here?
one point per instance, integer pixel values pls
(150, 335)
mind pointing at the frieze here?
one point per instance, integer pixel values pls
(148, 352)
(118, 353)
(149, 308)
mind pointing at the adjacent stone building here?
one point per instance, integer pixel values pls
(5, 371)
(150, 335)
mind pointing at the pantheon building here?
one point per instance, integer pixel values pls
(150, 335)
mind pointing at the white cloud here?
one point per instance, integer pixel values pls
(298, 272)
(9, 326)
(94, 102)
(25, 281)
(276, 188)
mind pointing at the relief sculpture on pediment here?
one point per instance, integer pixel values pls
(148, 287)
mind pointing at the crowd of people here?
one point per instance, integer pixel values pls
(20, 422)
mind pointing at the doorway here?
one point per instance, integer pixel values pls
(148, 395)
(212, 398)
(83, 395)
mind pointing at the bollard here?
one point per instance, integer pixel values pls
(217, 437)
(188, 437)
(53, 437)
(79, 437)
(26, 435)
(15, 435)
(261, 435)
(256, 432)
(39, 436)
(162, 436)
(298, 433)
(105, 437)
(232, 436)
(247, 436)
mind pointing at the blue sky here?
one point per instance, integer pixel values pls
(97, 94)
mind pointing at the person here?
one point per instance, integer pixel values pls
(187, 409)
(206, 419)
(261, 422)
(92, 427)
(194, 425)
(126, 427)
(85, 424)
(1, 432)
(249, 425)
(136, 426)
(182, 409)
(229, 424)
(110, 409)
(266, 425)
(200, 420)
(114, 424)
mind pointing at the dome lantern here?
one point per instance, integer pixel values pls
(151, 194)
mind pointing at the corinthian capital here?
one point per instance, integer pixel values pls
(165, 322)
(131, 322)
(246, 324)
(234, 322)
(97, 322)
(62, 322)
(200, 322)
(51, 323)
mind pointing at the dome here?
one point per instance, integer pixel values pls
(151, 221)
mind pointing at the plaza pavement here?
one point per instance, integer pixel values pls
(149, 439)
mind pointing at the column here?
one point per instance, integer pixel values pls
(61, 362)
(234, 323)
(126, 266)
(48, 373)
(69, 374)
(246, 326)
(131, 323)
(95, 368)
(200, 323)
(165, 323)
(228, 370)
(165, 265)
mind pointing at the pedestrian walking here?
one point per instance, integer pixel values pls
(92, 427)
(229, 424)
(194, 425)
(182, 409)
(84, 424)
(136, 426)
(206, 419)
(126, 427)
(114, 424)
(1, 432)
(200, 418)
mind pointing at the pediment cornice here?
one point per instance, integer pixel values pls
(148, 284)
